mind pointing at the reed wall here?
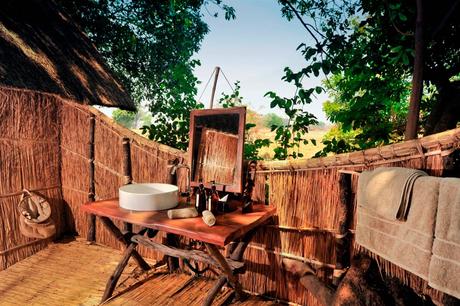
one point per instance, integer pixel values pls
(149, 162)
(29, 159)
(307, 196)
(47, 144)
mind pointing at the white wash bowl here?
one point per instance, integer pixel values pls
(148, 197)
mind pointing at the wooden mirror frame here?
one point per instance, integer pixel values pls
(237, 185)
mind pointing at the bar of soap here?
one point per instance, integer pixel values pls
(208, 218)
(182, 213)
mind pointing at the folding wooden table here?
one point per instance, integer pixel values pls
(234, 227)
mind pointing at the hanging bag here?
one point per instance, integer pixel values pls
(35, 216)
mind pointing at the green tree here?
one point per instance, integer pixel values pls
(272, 119)
(126, 118)
(132, 120)
(149, 45)
(251, 146)
(366, 49)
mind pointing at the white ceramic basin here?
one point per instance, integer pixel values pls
(148, 197)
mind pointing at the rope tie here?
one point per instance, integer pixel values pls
(340, 236)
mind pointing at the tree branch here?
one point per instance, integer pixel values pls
(305, 25)
(394, 24)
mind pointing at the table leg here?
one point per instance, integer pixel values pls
(113, 280)
(130, 251)
(173, 262)
(237, 251)
(215, 290)
(126, 239)
(230, 277)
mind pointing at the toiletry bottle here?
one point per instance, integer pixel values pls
(196, 192)
(201, 198)
(214, 198)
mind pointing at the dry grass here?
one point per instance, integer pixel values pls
(307, 150)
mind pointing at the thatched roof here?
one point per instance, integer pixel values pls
(42, 49)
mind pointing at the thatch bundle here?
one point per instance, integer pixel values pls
(44, 50)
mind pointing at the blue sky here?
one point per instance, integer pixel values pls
(254, 49)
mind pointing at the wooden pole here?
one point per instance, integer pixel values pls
(342, 242)
(128, 179)
(216, 76)
(172, 239)
(127, 172)
(92, 192)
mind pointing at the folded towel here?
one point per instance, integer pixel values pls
(444, 271)
(387, 191)
(407, 243)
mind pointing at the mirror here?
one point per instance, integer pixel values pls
(216, 148)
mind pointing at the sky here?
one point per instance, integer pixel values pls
(254, 49)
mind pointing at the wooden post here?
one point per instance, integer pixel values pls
(128, 179)
(216, 76)
(127, 172)
(342, 241)
(92, 192)
(171, 239)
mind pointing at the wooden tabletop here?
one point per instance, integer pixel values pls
(229, 226)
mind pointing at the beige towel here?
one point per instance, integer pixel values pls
(445, 263)
(407, 243)
(387, 191)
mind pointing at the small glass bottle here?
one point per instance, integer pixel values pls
(213, 199)
(200, 199)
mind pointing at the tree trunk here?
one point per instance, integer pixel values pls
(446, 113)
(417, 77)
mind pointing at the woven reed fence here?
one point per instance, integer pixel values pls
(29, 158)
(74, 154)
(312, 217)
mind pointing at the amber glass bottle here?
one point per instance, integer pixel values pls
(200, 199)
(214, 199)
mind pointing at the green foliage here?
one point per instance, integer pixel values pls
(126, 118)
(233, 99)
(149, 45)
(289, 136)
(132, 120)
(251, 146)
(365, 48)
(272, 119)
(338, 141)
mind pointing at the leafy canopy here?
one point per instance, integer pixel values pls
(149, 45)
(365, 48)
